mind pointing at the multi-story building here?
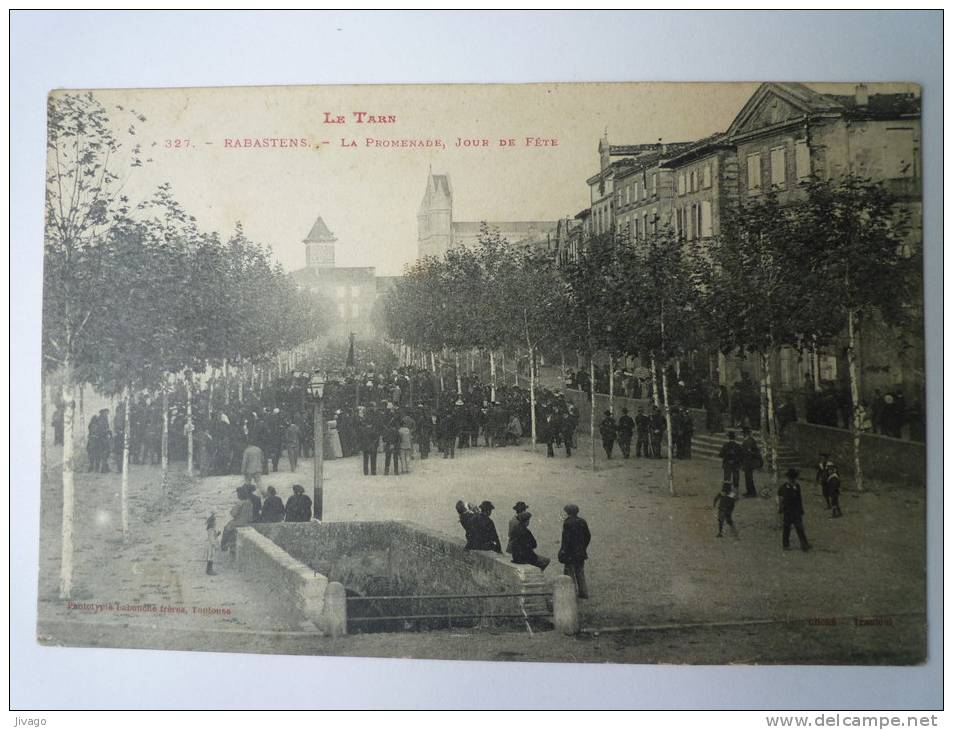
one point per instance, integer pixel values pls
(437, 231)
(351, 290)
(705, 184)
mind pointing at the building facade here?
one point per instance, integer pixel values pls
(437, 231)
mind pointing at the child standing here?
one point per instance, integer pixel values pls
(725, 504)
(211, 545)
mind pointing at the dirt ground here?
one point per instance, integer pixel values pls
(663, 588)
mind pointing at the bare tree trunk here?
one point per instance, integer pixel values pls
(492, 376)
(853, 345)
(241, 380)
(655, 399)
(456, 369)
(816, 366)
(668, 430)
(772, 430)
(189, 426)
(66, 550)
(532, 400)
(165, 435)
(763, 401)
(225, 382)
(124, 487)
(611, 385)
(592, 413)
(433, 363)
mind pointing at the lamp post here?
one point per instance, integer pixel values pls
(316, 389)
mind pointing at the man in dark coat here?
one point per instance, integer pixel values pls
(298, 508)
(523, 544)
(642, 424)
(607, 430)
(656, 431)
(485, 537)
(573, 548)
(626, 429)
(750, 460)
(731, 458)
(273, 510)
(255, 502)
(791, 508)
(370, 434)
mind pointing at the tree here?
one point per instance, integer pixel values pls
(83, 200)
(854, 251)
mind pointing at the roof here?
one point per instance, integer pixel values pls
(440, 183)
(882, 105)
(320, 233)
(505, 226)
(695, 149)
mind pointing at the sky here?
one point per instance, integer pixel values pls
(368, 194)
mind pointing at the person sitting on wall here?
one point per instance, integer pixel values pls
(523, 544)
(485, 536)
(298, 507)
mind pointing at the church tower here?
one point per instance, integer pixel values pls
(319, 246)
(435, 217)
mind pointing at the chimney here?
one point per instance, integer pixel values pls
(861, 97)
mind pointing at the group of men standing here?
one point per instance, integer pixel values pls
(648, 430)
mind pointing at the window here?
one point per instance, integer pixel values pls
(681, 184)
(754, 173)
(341, 310)
(638, 229)
(802, 160)
(692, 181)
(355, 310)
(652, 181)
(778, 176)
(654, 221)
(626, 196)
(342, 292)
(706, 176)
(645, 224)
(619, 198)
(706, 219)
(355, 291)
(635, 191)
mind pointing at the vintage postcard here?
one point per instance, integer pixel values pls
(623, 372)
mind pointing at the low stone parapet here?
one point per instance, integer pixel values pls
(276, 571)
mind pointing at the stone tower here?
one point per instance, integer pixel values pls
(319, 246)
(435, 217)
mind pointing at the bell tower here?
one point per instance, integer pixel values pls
(319, 246)
(435, 217)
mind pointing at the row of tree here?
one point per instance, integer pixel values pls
(797, 274)
(135, 294)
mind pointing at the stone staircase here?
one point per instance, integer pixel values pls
(707, 446)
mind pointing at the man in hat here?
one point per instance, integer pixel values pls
(524, 544)
(626, 429)
(731, 459)
(573, 548)
(750, 460)
(292, 439)
(607, 430)
(485, 536)
(298, 506)
(641, 434)
(369, 431)
(656, 431)
(519, 507)
(791, 508)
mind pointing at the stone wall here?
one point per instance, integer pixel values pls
(403, 558)
(275, 571)
(882, 457)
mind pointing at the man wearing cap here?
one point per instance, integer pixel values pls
(519, 507)
(485, 536)
(791, 508)
(573, 548)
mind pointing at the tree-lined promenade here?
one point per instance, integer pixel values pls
(136, 296)
(798, 275)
